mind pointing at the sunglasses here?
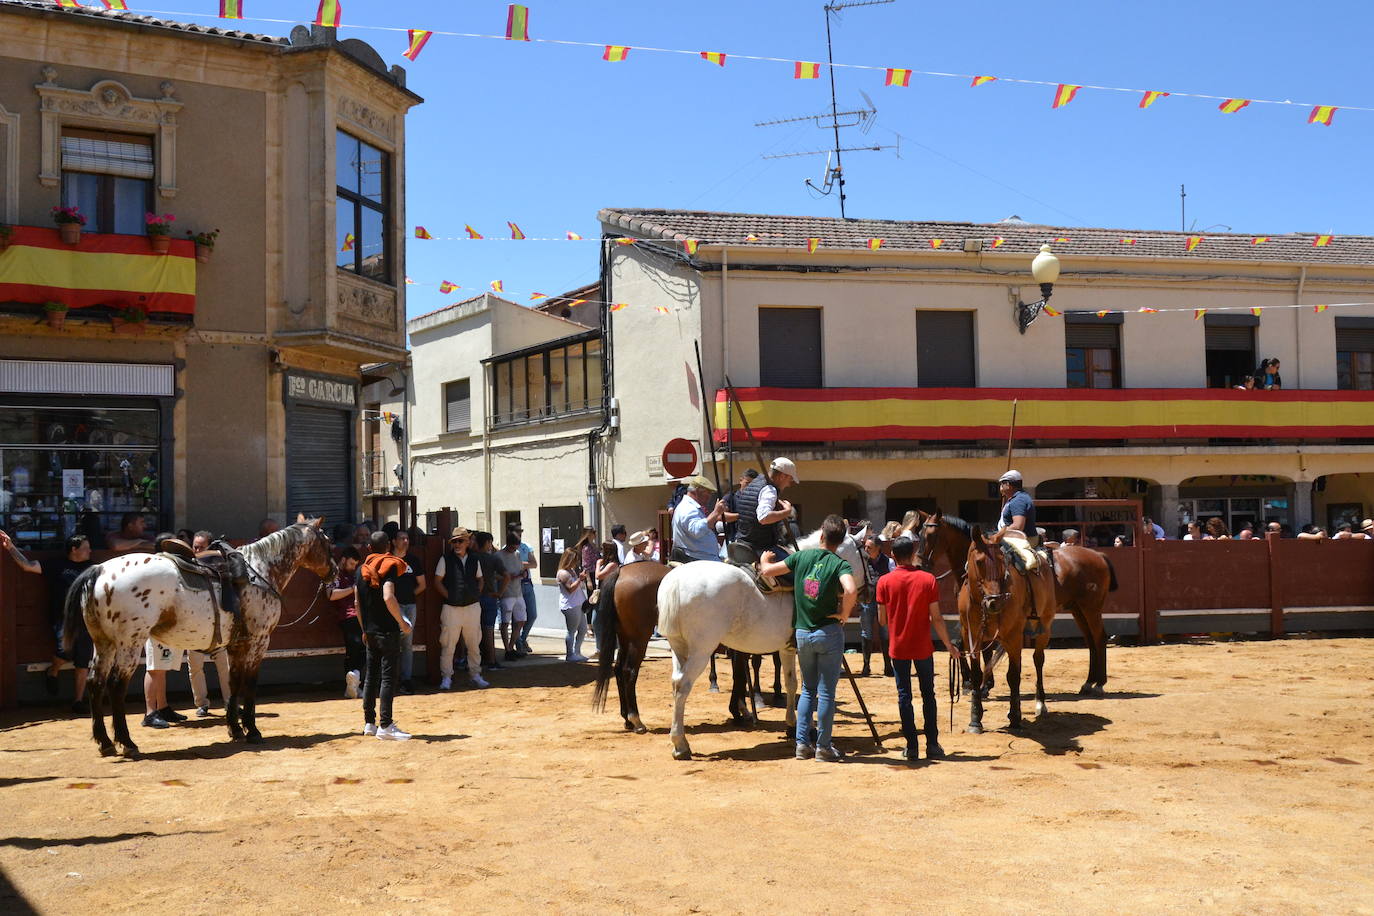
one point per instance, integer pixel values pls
(458, 540)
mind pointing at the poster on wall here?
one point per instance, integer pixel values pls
(558, 545)
(73, 483)
(546, 540)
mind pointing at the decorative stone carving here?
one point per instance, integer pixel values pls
(369, 119)
(9, 166)
(108, 105)
(367, 302)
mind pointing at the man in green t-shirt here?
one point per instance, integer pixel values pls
(823, 598)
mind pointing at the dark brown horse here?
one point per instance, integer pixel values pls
(625, 621)
(995, 604)
(1083, 577)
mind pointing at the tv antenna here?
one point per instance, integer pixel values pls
(832, 179)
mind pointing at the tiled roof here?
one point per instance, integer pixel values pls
(792, 232)
(47, 6)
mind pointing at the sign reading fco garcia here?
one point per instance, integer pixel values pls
(320, 390)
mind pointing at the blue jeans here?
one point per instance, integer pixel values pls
(819, 652)
(491, 611)
(408, 642)
(527, 589)
(925, 674)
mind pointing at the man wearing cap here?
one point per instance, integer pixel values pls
(1367, 528)
(458, 579)
(1017, 524)
(761, 506)
(694, 530)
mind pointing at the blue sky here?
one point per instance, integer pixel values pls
(545, 135)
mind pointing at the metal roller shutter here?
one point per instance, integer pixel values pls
(1230, 338)
(1092, 336)
(319, 463)
(790, 347)
(944, 349)
(1359, 340)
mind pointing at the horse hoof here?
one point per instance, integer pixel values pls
(682, 754)
(629, 726)
(1086, 690)
(975, 728)
(1016, 726)
(1040, 709)
(107, 750)
(1098, 690)
(713, 689)
(254, 738)
(131, 751)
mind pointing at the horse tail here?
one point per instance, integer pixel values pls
(78, 597)
(1111, 572)
(607, 627)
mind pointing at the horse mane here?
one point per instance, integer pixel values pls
(958, 524)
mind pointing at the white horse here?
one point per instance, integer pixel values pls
(130, 598)
(703, 605)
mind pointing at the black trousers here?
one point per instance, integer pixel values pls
(355, 654)
(383, 663)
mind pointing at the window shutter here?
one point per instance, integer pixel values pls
(790, 347)
(944, 349)
(1355, 339)
(1092, 336)
(457, 407)
(1230, 338)
(107, 157)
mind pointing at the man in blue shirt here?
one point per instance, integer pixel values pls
(1017, 523)
(694, 530)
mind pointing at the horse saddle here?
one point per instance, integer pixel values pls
(1044, 557)
(743, 556)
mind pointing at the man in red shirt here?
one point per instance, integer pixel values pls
(909, 605)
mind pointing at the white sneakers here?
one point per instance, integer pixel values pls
(351, 681)
(369, 729)
(578, 657)
(446, 683)
(392, 733)
(480, 682)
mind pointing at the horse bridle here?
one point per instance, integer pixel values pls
(925, 550)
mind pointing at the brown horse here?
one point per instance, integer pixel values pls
(1083, 577)
(625, 621)
(995, 604)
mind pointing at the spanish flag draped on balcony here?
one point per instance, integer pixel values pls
(120, 271)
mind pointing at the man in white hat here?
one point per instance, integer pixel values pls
(1017, 523)
(761, 506)
(694, 529)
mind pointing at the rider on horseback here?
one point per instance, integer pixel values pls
(762, 509)
(1017, 524)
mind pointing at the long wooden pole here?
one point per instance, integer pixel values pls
(710, 424)
(1011, 433)
(758, 455)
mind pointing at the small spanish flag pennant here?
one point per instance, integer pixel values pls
(936, 243)
(472, 233)
(1128, 241)
(418, 37)
(1231, 106)
(1319, 309)
(1064, 94)
(1198, 313)
(998, 242)
(577, 302)
(982, 81)
(615, 53)
(348, 242)
(515, 232)
(802, 70)
(69, 4)
(1194, 241)
(116, 5)
(1322, 114)
(517, 23)
(1104, 313)
(409, 282)
(661, 309)
(751, 237)
(1062, 238)
(715, 57)
(231, 9)
(896, 76)
(1321, 241)
(615, 306)
(625, 241)
(534, 296)
(874, 244)
(1256, 312)
(691, 245)
(447, 287)
(330, 13)
(1150, 97)
(1146, 310)
(497, 286)
(573, 236)
(812, 245)
(1259, 240)
(422, 233)
(1052, 311)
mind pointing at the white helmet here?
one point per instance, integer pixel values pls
(785, 466)
(1011, 477)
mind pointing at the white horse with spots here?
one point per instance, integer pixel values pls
(703, 605)
(132, 597)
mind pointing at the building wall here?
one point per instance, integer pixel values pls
(228, 455)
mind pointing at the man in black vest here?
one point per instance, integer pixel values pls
(761, 507)
(458, 578)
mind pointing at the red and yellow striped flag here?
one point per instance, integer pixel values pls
(116, 5)
(348, 242)
(447, 287)
(231, 9)
(515, 232)
(534, 296)
(1194, 241)
(573, 236)
(874, 244)
(422, 233)
(998, 242)
(982, 81)
(1256, 312)
(812, 245)
(691, 245)
(936, 243)
(517, 23)
(1064, 94)
(1198, 313)
(896, 76)
(497, 286)
(615, 306)
(625, 241)
(409, 282)
(330, 13)
(418, 38)
(1318, 309)
(715, 57)
(1321, 241)
(1128, 241)
(615, 53)
(802, 70)
(661, 309)
(472, 233)
(1150, 97)
(577, 302)
(1146, 310)
(1062, 238)
(1322, 114)
(1259, 240)
(1231, 106)
(1052, 311)
(751, 237)
(69, 4)
(1103, 313)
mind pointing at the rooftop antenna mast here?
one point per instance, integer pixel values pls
(862, 118)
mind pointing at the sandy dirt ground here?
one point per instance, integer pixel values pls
(1232, 777)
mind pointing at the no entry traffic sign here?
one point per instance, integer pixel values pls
(679, 458)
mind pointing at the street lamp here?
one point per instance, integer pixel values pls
(1045, 270)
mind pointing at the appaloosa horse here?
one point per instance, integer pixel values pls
(130, 598)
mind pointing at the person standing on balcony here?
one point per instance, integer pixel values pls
(762, 508)
(1266, 377)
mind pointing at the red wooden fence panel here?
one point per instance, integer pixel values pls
(1211, 574)
(1326, 573)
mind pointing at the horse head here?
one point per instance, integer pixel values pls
(985, 572)
(927, 535)
(318, 554)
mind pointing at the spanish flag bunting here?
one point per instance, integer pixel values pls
(409, 282)
(1128, 241)
(497, 286)
(998, 242)
(751, 237)
(874, 244)
(534, 296)
(515, 232)
(982, 81)
(1231, 106)
(348, 242)
(1256, 312)
(1194, 241)
(1259, 240)
(422, 233)
(517, 23)
(802, 70)
(418, 37)
(1321, 241)
(231, 9)
(69, 4)
(1052, 312)
(896, 76)
(715, 57)
(1150, 97)
(624, 241)
(661, 309)
(1146, 310)
(615, 53)
(115, 5)
(616, 306)
(1322, 114)
(330, 13)
(936, 243)
(472, 233)
(690, 245)
(447, 287)
(812, 245)
(1318, 309)
(1064, 94)
(573, 237)
(1104, 313)
(1198, 313)
(577, 302)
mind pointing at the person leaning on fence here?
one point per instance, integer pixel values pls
(458, 579)
(383, 625)
(1217, 529)
(60, 579)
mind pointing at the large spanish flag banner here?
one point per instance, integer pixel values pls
(936, 414)
(114, 270)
